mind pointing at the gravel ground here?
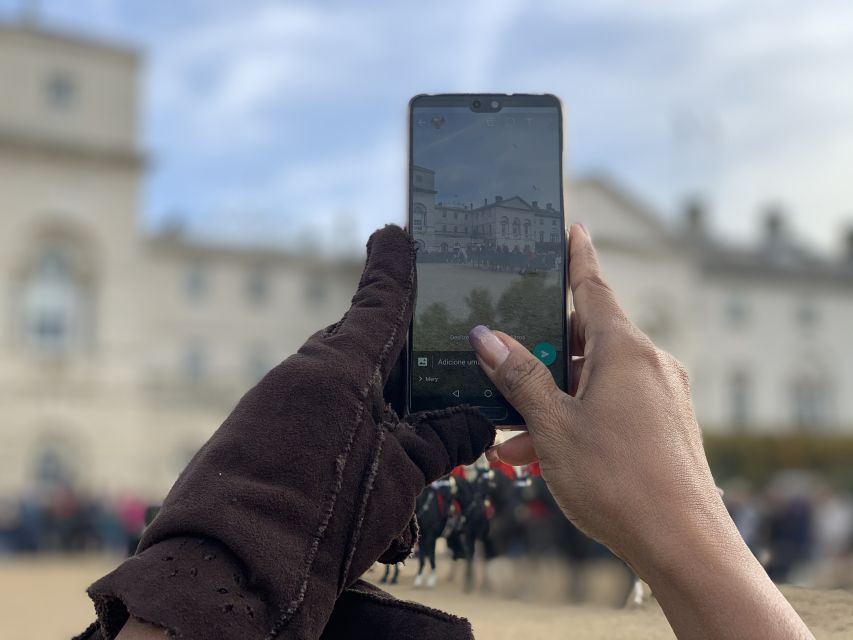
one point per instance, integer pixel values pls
(43, 597)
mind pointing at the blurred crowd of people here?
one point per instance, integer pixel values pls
(796, 524)
(60, 520)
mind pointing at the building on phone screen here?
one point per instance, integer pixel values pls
(509, 223)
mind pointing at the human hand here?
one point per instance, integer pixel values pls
(622, 453)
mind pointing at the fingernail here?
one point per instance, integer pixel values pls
(488, 346)
(492, 454)
(585, 230)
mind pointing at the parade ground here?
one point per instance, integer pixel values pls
(43, 597)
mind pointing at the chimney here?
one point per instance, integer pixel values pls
(535, 204)
(774, 223)
(776, 241)
(696, 217)
(485, 201)
(499, 198)
(848, 245)
(549, 207)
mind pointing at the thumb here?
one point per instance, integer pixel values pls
(438, 441)
(520, 376)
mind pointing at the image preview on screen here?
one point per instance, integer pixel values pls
(486, 214)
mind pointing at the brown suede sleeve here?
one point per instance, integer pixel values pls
(366, 612)
(193, 587)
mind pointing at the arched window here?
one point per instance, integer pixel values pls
(505, 227)
(419, 215)
(52, 468)
(55, 301)
(56, 458)
(516, 227)
(527, 228)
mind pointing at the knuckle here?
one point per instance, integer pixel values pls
(522, 374)
(594, 286)
(645, 351)
(676, 366)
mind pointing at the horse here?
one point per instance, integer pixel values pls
(432, 509)
(387, 573)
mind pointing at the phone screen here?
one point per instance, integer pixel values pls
(486, 213)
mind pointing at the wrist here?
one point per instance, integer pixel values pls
(709, 584)
(700, 537)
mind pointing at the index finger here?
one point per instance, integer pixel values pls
(372, 332)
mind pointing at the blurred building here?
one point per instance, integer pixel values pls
(764, 331)
(120, 352)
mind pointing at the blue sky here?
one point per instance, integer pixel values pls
(283, 121)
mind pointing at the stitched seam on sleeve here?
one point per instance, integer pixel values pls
(362, 509)
(341, 461)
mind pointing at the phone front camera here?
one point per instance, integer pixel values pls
(476, 104)
(495, 104)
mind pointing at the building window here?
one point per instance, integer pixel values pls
(455, 215)
(258, 286)
(455, 228)
(444, 227)
(316, 290)
(54, 466)
(419, 213)
(527, 228)
(53, 304)
(516, 227)
(807, 316)
(195, 282)
(737, 312)
(740, 398)
(555, 237)
(505, 227)
(60, 91)
(195, 362)
(810, 402)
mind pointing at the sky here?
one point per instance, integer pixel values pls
(478, 156)
(284, 122)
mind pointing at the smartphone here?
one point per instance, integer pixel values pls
(486, 214)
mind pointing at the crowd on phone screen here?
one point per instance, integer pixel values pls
(799, 528)
(496, 257)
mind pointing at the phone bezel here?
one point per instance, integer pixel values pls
(506, 100)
